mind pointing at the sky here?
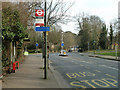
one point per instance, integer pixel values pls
(107, 10)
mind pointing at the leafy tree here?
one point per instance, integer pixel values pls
(84, 34)
(89, 30)
(111, 36)
(83, 38)
(103, 38)
(12, 31)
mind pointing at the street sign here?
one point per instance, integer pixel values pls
(42, 28)
(39, 22)
(37, 44)
(39, 12)
(62, 44)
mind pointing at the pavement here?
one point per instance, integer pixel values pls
(0, 84)
(81, 71)
(31, 75)
(105, 57)
(101, 56)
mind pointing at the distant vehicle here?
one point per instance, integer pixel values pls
(80, 50)
(72, 49)
(63, 53)
(69, 50)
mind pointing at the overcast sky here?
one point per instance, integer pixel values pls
(107, 10)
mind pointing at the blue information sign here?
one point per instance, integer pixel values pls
(62, 44)
(42, 28)
(37, 44)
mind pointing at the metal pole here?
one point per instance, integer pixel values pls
(116, 44)
(45, 48)
(61, 42)
(94, 46)
(88, 46)
(36, 42)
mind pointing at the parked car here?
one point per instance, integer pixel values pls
(69, 50)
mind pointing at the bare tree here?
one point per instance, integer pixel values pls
(56, 10)
(54, 35)
(69, 39)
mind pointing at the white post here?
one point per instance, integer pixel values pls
(14, 49)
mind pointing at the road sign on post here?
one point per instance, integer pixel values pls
(37, 44)
(39, 12)
(42, 28)
(62, 44)
(45, 49)
(39, 22)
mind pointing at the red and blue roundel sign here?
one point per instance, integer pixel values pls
(39, 12)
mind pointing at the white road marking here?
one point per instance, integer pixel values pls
(81, 65)
(87, 67)
(76, 63)
(108, 67)
(64, 57)
(97, 71)
(86, 62)
(80, 53)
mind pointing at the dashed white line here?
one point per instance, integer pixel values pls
(97, 71)
(76, 63)
(81, 65)
(64, 57)
(86, 62)
(108, 67)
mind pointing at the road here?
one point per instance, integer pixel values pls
(81, 71)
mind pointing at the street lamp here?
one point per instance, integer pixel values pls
(88, 47)
(94, 45)
(117, 32)
(62, 43)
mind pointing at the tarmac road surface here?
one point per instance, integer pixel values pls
(81, 71)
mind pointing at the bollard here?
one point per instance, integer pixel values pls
(14, 67)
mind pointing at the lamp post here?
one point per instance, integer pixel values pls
(62, 42)
(117, 33)
(94, 45)
(88, 47)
